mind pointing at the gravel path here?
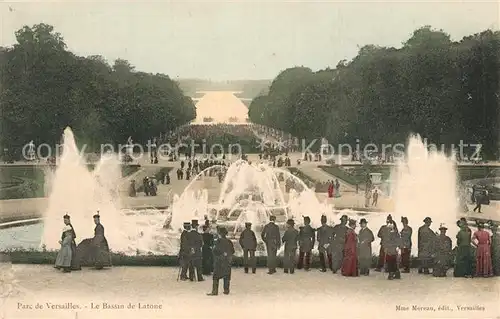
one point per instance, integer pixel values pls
(312, 295)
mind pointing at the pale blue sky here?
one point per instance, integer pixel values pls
(240, 39)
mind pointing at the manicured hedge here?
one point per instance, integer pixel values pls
(49, 257)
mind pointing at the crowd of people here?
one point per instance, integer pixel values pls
(92, 252)
(341, 248)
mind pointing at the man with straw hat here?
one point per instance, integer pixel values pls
(290, 239)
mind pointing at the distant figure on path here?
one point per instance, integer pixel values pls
(271, 237)
(350, 250)
(223, 259)
(132, 191)
(64, 256)
(443, 248)
(248, 242)
(375, 198)
(290, 239)
(306, 244)
(366, 239)
(481, 239)
(330, 189)
(337, 188)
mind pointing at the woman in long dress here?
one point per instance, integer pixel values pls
(495, 248)
(64, 256)
(464, 258)
(350, 260)
(482, 241)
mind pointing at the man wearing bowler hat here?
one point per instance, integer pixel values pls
(366, 239)
(290, 239)
(248, 242)
(271, 237)
(426, 239)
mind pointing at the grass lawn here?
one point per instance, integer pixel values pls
(318, 187)
(49, 258)
(28, 181)
(356, 174)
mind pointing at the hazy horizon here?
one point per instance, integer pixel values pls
(240, 40)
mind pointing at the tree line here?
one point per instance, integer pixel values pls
(44, 88)
(444, 90)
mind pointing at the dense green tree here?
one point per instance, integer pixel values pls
(446, 91)
(44, 88)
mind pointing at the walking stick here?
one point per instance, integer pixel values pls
(179, 273)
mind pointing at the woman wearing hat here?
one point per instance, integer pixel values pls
(350, 260)
(481, 239)
(464, 258)
(442, 249)
(64, 256)
(406, 233)
(223, 258)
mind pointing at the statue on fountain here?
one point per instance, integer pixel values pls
(31, 155)
(94, 252)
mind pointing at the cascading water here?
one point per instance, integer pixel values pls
(425, 185)
(81, 193)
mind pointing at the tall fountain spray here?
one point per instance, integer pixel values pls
(80, 193)
(425, 186)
